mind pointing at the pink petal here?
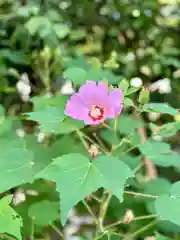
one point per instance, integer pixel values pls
(93, 93)
(75, 108)
(116, 102)
(88, 92)
(89, 121)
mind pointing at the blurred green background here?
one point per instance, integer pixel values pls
(127, 38)
(43, 43)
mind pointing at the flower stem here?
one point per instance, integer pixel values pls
(103, 209)
(136, 233)
(81, 137)
(93, 142)
(5, 236)
(101, 144)
(32, 229)
(90, 211)
(141, 194)
(135, 219)
(115, 124)
(57, 230)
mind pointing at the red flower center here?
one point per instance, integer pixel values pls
(96, 112)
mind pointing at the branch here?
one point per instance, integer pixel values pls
(151, 171)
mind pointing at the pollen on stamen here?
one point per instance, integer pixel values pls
(96, 113)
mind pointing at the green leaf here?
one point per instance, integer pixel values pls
(165, 130)
(132, 90)
(69, 125)
(166, 160)
(77, 34)
(157, 187)
(75, 74)
(95, 74)
(84, 177)
(175, 190)
(16, 165)
(128, 102)
(153, 148)
(37, 22)
(48, 118)
(132, 161)
(49, 209)
(10, 221)
(160, 107)
(161, 237)
(168, 208)
(109, 136)
(61, 30)
(16, 57)
(160, 153)
(126, 124)
(41, 102)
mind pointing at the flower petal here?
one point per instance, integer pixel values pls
(94, 94)
(88, 92)
(89, 121)
(75, 108)
(116, 101)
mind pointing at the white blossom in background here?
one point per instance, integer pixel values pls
(23, 87)
(154, 116)
(176, 74)
(20, 132)
(19, 197)
(130, 56)
(67, 88)
(136, 13)
(157, 138)
(116, 16)
(146, 70)
(71, 228)
(136, 82)
(74, 224)
(40, 137)
(162, 86)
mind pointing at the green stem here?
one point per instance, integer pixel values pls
(135, 219)
(57, 230)
(93, 142)
(136, 233)
(96, 198)
(141, 194)
(101, 144)
(6, 237)
(115, 124)
(81, 137)
(103, 210)
(145, 217)
(91, 212)
(32, 229)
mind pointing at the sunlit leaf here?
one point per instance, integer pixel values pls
(10, 221)
(84, 177)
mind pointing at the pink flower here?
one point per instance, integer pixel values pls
(94, 103)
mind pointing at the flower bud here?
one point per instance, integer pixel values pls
(93, 150)
(128, 217)
(123, 85)
(144, 96)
